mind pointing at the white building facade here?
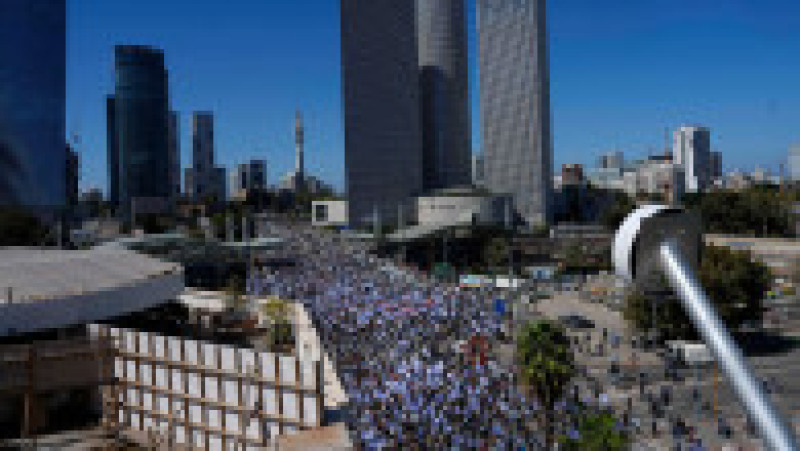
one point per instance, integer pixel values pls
(794, 162)
(329, 213)
(692, 149)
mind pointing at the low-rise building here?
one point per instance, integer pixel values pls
(329, 213)
(610, 178)
(48, 297)
(737, 181)
(655, 177)
(455, 206)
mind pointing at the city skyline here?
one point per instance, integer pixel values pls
(751, 111)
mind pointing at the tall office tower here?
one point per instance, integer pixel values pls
(716, 164)
(515, 104)
(206, 179)
(202, 142)
(174, 154)
(299, 142)
(794, 162)
(112, 140)
(72, 177)
(444, 84)
(141, 112)
(32, 96)
(383, 137)
(691, 148)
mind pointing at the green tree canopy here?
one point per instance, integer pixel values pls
(20, 228)
(546, 364)
(545, 360)
(496, 252)
(757, 211)
(732, 280)
(595, 432)
(619, 209)
(278, 312)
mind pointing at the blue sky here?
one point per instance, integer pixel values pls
(621, 72)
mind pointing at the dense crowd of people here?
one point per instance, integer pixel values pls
(397, 338)
(394, 336)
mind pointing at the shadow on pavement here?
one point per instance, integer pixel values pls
(763, 343)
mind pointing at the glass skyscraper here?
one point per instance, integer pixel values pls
(175, 154)
(33, 164)
(515, 104)
(113, 151)
(383, 137)
(444, 83)
(205, 179)
(141, 110)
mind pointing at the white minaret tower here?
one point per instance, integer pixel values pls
(299, 168)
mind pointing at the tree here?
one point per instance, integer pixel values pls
(595, 431)
(546, 364)
(619, 209)
(733, 282)
(496, 252)
(277, 312)
(20, 228)
(757, 211)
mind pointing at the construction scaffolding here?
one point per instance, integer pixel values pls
(31, 370)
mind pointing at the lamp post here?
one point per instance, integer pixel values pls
(657, 239)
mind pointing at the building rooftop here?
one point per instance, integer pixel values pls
(36, 274)
(464, 190)
(52, 288)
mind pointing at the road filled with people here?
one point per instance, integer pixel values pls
(413, 354)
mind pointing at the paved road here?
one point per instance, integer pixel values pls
(712, 389)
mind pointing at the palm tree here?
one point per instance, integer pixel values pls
(546, 365)
(277, 312)
(235, 293)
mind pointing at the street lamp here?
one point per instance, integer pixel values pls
(659, 240)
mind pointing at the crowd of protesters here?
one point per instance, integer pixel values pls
(394, 336)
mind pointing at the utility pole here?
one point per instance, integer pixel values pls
(509, 230)
(133, 214)
(444, 246)
(376, 225)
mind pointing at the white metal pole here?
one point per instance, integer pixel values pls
(773, 430)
